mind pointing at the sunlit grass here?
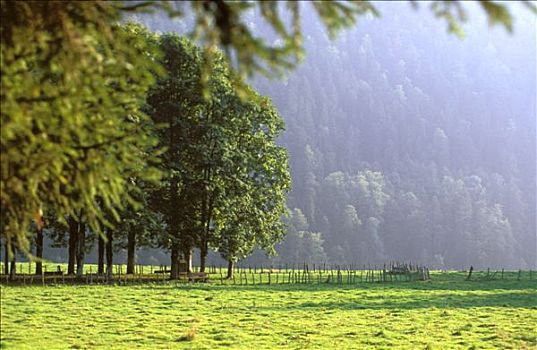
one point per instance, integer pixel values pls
(445, 313)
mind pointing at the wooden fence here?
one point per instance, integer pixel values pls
(254, 275)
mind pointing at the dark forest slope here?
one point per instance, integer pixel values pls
(408, 143)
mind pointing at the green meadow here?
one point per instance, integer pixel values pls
(446, 312)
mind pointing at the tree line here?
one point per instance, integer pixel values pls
(222, 178)
(84, 121)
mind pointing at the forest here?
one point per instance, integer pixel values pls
(412, 145)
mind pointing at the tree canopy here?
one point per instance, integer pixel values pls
(224, 176)
(72, 134)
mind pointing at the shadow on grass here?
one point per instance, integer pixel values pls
(499, 300)
(450, 284)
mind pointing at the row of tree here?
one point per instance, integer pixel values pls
(223, 178)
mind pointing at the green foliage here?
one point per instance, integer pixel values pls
(224, 174)
(300, 245)
(225, 24)
(176, 95)
(139, 219)
(455, 14)
(255, 198)
(72, 132)
(354, 207)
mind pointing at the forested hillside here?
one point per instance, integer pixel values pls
(408, 143)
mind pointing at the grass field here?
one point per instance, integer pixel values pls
(444, 313)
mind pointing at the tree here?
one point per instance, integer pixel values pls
(257, 182)
(218, 148)
(39, 248)
(73, 233)
(100, 254)
(6, 258)
(174, 102)
(109, 235)
(70, 132)
(300, 245)
(139, 223)
(288, 249)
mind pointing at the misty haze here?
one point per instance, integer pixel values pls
(408, 143)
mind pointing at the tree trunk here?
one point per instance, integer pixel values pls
(131, 252)
(204, 247)
(73, 239)
(187, 254)
(109, 254)
(81, 249)
(6, 258)
(203, 255)
(100, 261)
(39, 251)
(13, 268)
(174, 270)
(230, 268)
